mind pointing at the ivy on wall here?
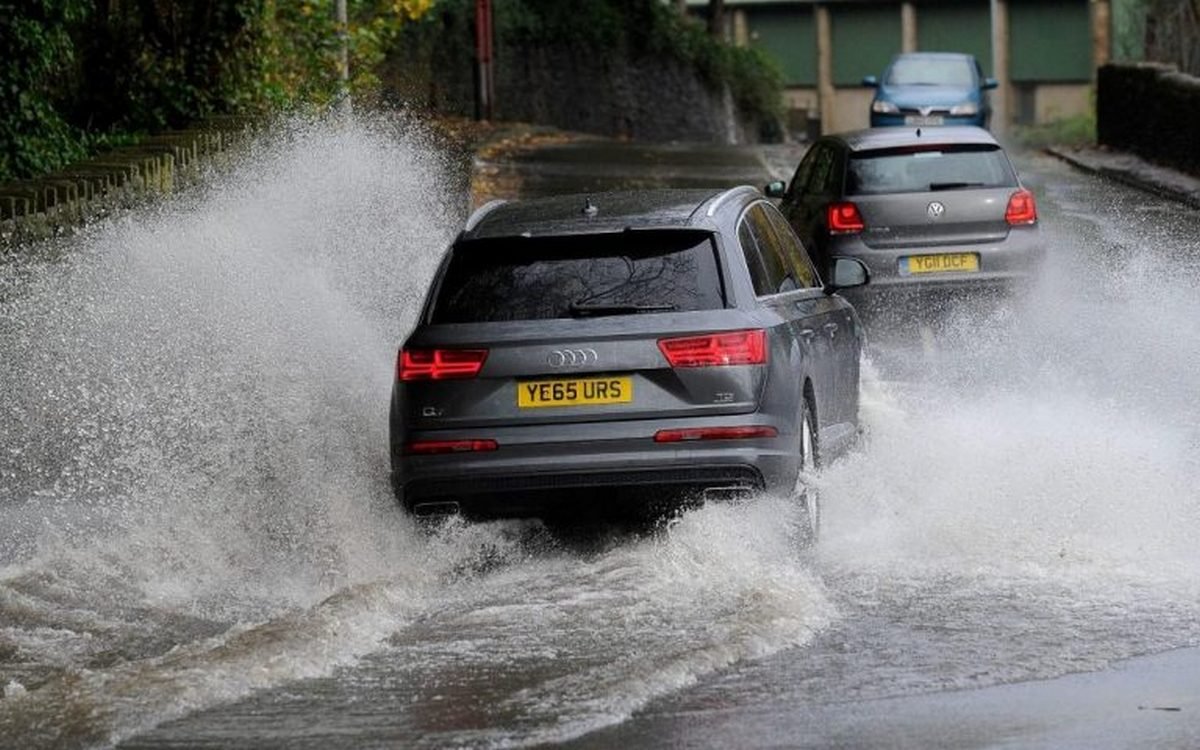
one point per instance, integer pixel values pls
(35, 47)
(80, 74)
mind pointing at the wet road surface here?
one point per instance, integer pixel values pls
(201, 550)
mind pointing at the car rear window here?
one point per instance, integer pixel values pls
(912, 71)
(928, 168)
(579, 276)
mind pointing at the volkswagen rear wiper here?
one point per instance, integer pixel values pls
(953, 185)
(587, 310)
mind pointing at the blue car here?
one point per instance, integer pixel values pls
(931, 88)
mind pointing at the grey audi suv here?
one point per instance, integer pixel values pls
(615, 355)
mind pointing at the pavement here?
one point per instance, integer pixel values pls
(1132, 170)
(1145, 702)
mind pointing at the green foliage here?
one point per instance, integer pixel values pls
(755, 80)
(76, 75)
(292, 52)
(597, 24)
(1079, 130)
(162, 64)
(34, 48)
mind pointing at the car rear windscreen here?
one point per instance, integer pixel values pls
(931, 71)
(924, 169)
(579, 276)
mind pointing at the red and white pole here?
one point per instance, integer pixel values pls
(485, 87)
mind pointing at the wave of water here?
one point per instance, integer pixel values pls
(191, 403)
(196, 503)
(1027, 491)
(195, 472)
(1059, 431)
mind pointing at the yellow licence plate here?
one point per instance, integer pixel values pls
(577, 392)
(942, 263)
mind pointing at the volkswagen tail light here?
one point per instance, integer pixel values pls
(1022, 208)
(844, 218)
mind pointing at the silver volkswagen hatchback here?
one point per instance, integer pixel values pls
(929, 211)
(612, 356)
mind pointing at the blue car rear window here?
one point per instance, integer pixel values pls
(579, 276)
(911, 71)
(928, 168)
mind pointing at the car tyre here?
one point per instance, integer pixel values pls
(808, 498)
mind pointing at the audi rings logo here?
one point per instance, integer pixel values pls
(572, 357)
(935, 210)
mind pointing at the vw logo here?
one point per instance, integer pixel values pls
(935, 210)
(571, 357)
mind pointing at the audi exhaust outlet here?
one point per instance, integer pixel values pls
(726, 494)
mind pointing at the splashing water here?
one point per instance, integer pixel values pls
(194, 485)
(191, 399)
(216, 366)
(195, 468)
(1053, 433)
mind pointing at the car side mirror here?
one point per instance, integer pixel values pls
(870, 82)
(847, 274)
(775, 189)
(990, 83)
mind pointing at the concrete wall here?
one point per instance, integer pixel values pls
(1051, 51)
(852, 108)
(1040, 103)
(1058, 101)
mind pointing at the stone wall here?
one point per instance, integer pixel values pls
(37, 208)
(653, 98)
(643, 98)
(1151, 110)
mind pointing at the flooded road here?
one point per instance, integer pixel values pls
(200, 548)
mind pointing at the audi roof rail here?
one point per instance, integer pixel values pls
(715, 205)
(478, 214)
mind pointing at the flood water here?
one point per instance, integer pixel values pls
(199, 546)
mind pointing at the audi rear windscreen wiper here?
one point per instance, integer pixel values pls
(953, 185)
(587, 310)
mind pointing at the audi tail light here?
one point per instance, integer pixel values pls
(715, 433)
(844, 218)
(434, 447)
(439, 364)
(1022, 208)
(716, 349)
